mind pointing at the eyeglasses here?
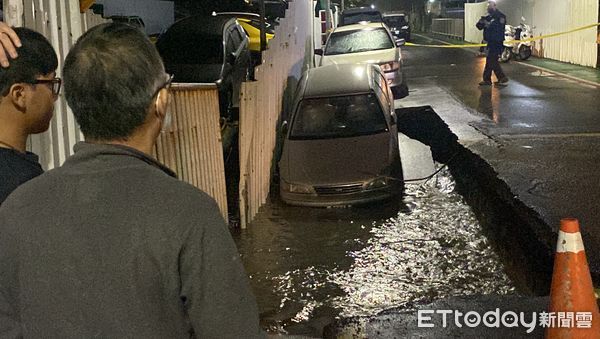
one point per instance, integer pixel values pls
(55, 83)
(166, 85)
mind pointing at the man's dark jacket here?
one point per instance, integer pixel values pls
(493, 32)
(111, 245)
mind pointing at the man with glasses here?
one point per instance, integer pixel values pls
(28, 89)
(111, 244)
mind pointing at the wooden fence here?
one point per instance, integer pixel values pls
(191, 146)
(262, 103)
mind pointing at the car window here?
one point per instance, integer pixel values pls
(187, 48)
(395, 21)
(230, 45)
(338, 117)
(239, 31)
(363, 40)
(349, 19)
(235, 38)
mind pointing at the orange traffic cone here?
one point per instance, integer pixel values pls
(573, 306)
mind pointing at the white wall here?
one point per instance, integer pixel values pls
(552, 16)
(473, 12)
(157, 15)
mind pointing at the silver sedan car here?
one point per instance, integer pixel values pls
(367, 43)
(341, 142)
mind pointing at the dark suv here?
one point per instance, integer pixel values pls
(208, 49)
(355, 15)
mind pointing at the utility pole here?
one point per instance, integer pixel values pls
(263, 26)
(342, 6)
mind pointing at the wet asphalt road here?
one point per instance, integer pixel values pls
(540, 135)
(534, 102)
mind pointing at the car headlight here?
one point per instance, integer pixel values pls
(377, 183)
(297, 188)
(404, 27)
(390, 67)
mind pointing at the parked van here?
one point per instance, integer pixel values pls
(341, 140)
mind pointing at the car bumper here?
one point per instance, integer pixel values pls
(402, 35)
(358, 198)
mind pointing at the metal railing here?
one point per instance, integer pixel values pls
(454, 28)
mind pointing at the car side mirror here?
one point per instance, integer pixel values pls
(231, 58)
(400, 42)
(319, 51)
(284, 127)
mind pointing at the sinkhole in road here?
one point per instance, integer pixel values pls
(309, 267)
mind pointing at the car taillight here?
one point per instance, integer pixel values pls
(390, 67)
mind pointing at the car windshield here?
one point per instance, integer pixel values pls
(350, 19)
(191, 49)
(395, 21)
(338, 117)
(358, 41)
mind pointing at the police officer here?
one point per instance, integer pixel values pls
(493, 33)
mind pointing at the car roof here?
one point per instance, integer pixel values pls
(356, 27)
(393, 14)
(202, 24)
(244, 15)
(338, 79)
(360, 10)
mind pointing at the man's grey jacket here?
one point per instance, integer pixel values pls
(111, 245)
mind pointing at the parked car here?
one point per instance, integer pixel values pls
(398, 25)
(355, 15)
(367, 43)
(132, 20)
(208, 49)
(341, 141)
(250, 22)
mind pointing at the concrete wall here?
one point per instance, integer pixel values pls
(157, 15)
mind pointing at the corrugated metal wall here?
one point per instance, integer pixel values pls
(473, 12)
(191, 146)
(550, 16)
(62, 23)
(261, 104)
(553, 16)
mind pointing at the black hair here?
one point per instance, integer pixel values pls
(111, 76)
(36, 57)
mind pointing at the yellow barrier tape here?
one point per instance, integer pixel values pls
(512, 42)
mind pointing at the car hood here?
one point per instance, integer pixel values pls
(195, 72)
(371, 57)
(335, 161)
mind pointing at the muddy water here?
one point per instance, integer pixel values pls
(308, 266)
